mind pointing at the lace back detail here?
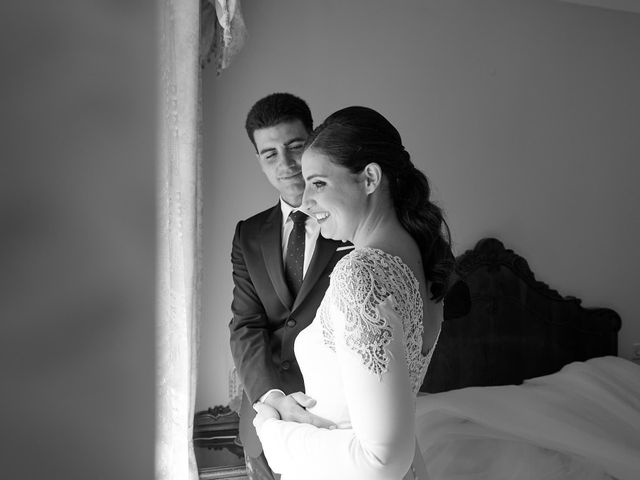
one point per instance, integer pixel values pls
(360, 282)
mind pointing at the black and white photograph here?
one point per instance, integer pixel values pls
(321, 240)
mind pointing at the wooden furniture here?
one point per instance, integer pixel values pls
(503, 326)
(218, 451)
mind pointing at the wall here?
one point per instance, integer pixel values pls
(524, 114)
(77, 239)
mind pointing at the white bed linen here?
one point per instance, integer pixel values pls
(580, 423)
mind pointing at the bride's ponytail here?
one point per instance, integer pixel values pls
(356, 136)
(410, 192)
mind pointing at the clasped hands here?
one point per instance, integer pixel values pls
(291, 408)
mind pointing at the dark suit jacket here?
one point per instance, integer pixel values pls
(266, 319)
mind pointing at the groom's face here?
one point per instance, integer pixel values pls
(279, 149)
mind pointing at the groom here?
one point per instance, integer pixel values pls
(281, 268)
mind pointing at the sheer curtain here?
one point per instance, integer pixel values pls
(182, 52)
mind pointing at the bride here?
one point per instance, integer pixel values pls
(366, 353)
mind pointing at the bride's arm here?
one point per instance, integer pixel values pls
(380, 444)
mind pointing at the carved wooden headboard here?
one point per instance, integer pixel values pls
(503, 326)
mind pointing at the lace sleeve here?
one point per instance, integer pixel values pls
(357, 291)
(360, 283)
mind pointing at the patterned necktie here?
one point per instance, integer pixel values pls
(295, 253)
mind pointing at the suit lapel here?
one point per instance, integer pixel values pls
(323, 253)
(271, 244)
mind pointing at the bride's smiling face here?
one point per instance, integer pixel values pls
(333, 195)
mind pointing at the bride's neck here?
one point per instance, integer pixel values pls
(379, 229)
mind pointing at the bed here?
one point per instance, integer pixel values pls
(525, 380)
(502, 325)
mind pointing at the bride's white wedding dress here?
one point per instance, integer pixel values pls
(362, 361)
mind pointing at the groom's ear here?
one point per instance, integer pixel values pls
(372, 177)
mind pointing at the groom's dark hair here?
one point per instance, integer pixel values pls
(277, 108)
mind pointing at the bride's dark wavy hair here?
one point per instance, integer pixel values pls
(356, 136)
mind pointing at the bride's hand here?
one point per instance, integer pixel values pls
(263, 413)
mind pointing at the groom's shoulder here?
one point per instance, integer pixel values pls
(255, 222)
(261, 217)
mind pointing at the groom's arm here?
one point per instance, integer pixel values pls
(251, 350)
(249, 329)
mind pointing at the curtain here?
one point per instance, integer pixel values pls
(179, 203)
(182, 53)
(223, 32)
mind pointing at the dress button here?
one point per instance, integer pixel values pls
(285, 365)
(291, 323)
